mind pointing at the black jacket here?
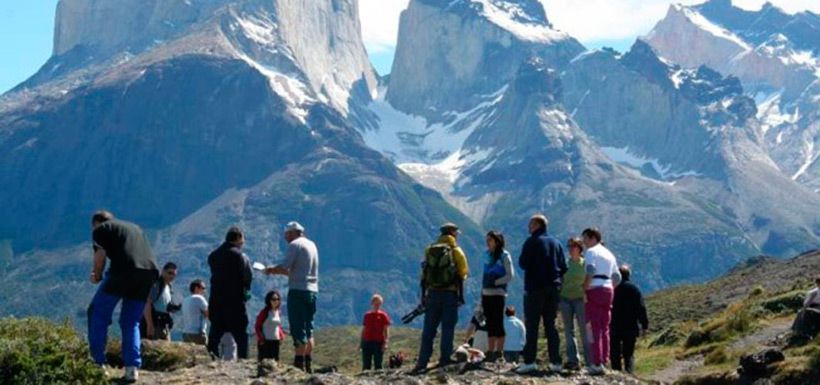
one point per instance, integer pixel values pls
(628, 309)
(542, 259)
(231, 277)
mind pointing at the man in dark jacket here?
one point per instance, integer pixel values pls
(230, 288)
(132, 270)
(544, 265)
(628, 319)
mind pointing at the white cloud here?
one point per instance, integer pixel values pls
(380, 23)
(596, 20)
(587, 20)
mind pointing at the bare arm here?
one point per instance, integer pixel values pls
(98, 265)
(149, 320)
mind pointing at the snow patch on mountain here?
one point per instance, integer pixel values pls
(513, 18)
(624, 156)
(810, 155)
(411, 139)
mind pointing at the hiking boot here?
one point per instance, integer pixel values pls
(526, 368)
(132, 374)
(555, 368)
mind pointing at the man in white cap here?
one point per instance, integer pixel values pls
(301, 265)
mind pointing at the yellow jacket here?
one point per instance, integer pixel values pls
(462, 269)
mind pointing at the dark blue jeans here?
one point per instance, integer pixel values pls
(442, 309)
(372, 355)
(541, 305)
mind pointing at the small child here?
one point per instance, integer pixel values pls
(268, 327)
(476, 335)
(375, 334)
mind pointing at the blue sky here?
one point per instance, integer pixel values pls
(26, 27)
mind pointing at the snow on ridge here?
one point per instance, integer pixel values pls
(516, 21)
(769, 111)
(622, 155)
(811, 157)
(295, 93)
(705, 24)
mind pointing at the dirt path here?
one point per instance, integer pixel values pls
(765, 337)
(762, 338)
(673, 372)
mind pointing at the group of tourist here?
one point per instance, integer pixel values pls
(582, 287)
(146, 295)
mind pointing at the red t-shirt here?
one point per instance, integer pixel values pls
(374, 324)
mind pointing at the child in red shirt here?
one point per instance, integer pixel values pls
(375, 334)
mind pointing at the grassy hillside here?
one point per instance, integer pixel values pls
(702, 330)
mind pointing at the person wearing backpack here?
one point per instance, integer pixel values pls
(157, 321)
(542, 259)
(443, 272)
(498, 272)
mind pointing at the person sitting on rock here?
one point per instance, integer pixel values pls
(807, 323)
(515, 339)
(477, 334)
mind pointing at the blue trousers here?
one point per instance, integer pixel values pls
(99, 317)
(442, 309)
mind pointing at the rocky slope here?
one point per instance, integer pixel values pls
(773, 53)
(235, 115)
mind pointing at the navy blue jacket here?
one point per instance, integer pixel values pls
(543, 262)
(628, 309)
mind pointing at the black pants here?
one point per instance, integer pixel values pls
(239, 335)
(493, 306)
(372, 355)
(622, 346)
(269, 349)
(541, 305)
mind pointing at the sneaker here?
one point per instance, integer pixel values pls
(572, 366)
(595, 370)
(132, 374)
(556, 368)
(526, 368)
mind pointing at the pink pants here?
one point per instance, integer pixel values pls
(598, 314)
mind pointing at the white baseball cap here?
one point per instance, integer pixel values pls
(294, 226)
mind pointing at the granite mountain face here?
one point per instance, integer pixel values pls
(191, 117)
(671, 161)
(188, 117)
(775, 56)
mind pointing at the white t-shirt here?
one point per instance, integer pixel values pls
(812, 297)
(270, 328)
(193, 319)
(516, 333)
(600, 261)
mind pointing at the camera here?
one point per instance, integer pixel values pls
(409, 317)
(174, 307)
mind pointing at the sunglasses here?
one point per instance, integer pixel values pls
(275, 299)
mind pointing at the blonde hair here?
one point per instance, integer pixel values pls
(377, 297)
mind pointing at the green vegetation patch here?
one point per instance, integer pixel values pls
(37, 351)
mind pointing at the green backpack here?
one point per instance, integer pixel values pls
(439, 268)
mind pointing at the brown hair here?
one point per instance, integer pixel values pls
(509, 311)
(575, 242)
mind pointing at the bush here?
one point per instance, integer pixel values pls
(757, 291)
(36, 351)
(717, 356)
(791, 302)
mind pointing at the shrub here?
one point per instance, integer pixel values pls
(757, 291)
(37, 351)
(791, 302)
(717, 356)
